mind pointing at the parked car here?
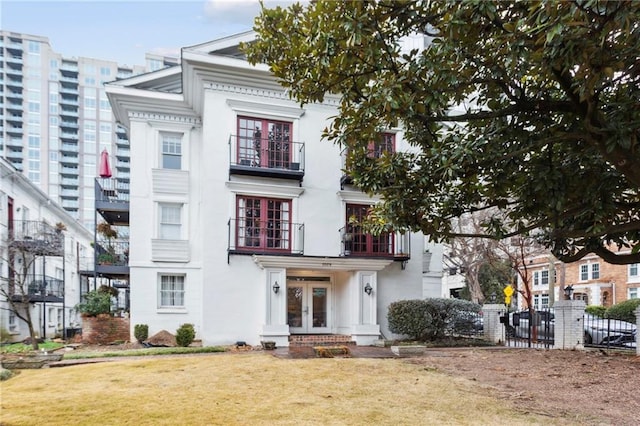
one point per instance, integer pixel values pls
(521, 326)
(605, 331)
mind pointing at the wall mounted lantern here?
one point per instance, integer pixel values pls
(368, 289)
(276, 287)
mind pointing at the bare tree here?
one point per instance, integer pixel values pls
(468, 254)
(14, 288)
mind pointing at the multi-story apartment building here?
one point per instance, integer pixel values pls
(590, 279)
(44, 258)
(56, 118)
(240, 213)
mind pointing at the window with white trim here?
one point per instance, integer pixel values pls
(12, 322)
(541, 277)
(633, 293)
(171, 150)
(634, 272)
(589, 271)
(172, 291)
(170, 216)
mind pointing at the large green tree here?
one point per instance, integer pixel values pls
(530, 108)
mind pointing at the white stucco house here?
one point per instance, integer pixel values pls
(43, 253)
(239, 211)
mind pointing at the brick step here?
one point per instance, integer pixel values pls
(320, 340)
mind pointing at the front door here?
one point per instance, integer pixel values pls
(308, 307)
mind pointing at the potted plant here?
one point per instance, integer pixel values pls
(106, 258)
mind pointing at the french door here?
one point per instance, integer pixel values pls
(308, 307)
(264, 143)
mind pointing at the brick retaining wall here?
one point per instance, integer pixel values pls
(104, 329)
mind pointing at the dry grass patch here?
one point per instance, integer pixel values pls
(250, 389)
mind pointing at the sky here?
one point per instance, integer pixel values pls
(123, 30)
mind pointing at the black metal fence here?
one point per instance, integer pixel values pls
(530, 328)
(609, 333)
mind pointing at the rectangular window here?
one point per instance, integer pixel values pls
(263, 223)
(385, 143)
(634, 272)
(584, 272)
(170, 221)
(595, 271)
(264, 143)
(356, 241)
(633, 293)
(589, 271)
(544, 277)
(536, 278)
(172, 291)
(536, 301)
(544, 301)
(171, 151)
(12, 322)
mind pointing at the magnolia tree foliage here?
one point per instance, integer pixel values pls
(530, 108)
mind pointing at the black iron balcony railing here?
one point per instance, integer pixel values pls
(42, 285)
(114, 252)
(266, 156)
(355, 243)
(270, 237)
(36, 237)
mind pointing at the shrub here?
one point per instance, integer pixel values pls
(408, 317)
(185, 335)
(5, 336)
(596, 310)
(141, 332)
(95, 303)
(431, 319)
(5, 374)
(624, 311)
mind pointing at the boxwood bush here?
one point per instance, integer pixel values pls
(141, 332)
(185, 335)
(431, 319)
(624, 311)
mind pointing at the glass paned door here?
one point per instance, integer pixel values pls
(308, 307)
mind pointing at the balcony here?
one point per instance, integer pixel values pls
(66, 182)
(69, 148)
(69, 112)
(266, 157)
(112, 258)
(39, 288)
(112, 200)
(273, 237)
(355, 243)
(37, 238)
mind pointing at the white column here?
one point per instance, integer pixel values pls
(275, 328)
(569, 324)
(365, 329)
(638, 334)
(493, 330)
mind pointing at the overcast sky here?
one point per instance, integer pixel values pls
(123, 30)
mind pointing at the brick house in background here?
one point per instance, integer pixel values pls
(594, 281)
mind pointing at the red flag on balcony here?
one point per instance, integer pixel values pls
(105, 170)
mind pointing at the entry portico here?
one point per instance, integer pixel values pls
(321, 295)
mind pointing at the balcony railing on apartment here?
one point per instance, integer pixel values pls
(271, 237)
(355, 243)
(39, 288)
(111, 190)
(36, 237)
(114, 252)
(266, 157)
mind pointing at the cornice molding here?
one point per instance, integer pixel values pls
(165, 118)
(259, 92)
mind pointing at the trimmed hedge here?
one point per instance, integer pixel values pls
(596, 310)
(431, 319)
(624, 311)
